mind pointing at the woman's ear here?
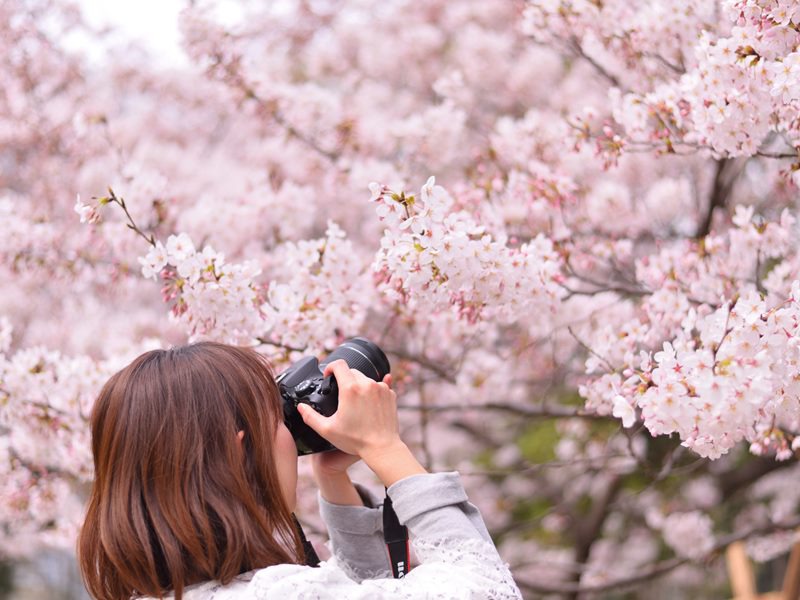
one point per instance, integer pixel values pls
(240, 435)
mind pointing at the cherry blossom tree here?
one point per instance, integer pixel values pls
(572, 225)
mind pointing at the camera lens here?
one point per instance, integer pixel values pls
(362, 355)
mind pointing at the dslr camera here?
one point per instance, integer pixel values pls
(304, 383)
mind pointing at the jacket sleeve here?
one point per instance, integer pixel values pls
(435, 506)
(356, 536)
(457, 558)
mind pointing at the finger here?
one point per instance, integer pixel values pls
(341, 371)
(312, 418)
(387, 379)
(359, 376)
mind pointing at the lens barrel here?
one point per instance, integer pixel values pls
(361, 354)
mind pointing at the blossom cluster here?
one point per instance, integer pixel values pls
(207, 294)
(736, 378)
(728, 371)
(689, 534)
(434, 256)
(321, 290)
(45, 454)
(691, 83)
(741, 87)
(317, 290)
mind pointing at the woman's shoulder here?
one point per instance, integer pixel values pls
(214, 590)
(286, 581)
(274, 580)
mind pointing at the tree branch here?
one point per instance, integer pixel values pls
(732, 481)
(231, 74)
(542, 411)
(589, 529)
(778, 154)
(443, 372)
(575, 45)
(131, 224)
(299, 135)
(658, 569)
(720, 190)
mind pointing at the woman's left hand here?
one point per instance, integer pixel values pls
(332, 463)
(330, 473)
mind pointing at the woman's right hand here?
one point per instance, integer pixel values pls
(365, 423)
(366, 417)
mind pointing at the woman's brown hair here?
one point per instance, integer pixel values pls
(177, 498)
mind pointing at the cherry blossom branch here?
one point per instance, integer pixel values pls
(638, 146)
(294, 132)
(679, 69)
(574, 44)
(588, 529)
(38, 471)
(131, 224)
(235, 78)
(716, 199)
(726, 330)
(585, 346)
(659, 569)
(601, 286)
(282, 346)
(547, 412)
(742, 477)
(602, 290)
(423, 426)
(779, 155)
(47, 408)
(720, 191)
(588, 462)
(443, 372)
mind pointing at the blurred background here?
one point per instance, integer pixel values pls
(592, 209)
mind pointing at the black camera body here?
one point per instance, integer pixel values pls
(304, 383)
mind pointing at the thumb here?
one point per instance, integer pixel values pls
(311, 417)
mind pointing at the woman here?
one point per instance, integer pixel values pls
(195, 484)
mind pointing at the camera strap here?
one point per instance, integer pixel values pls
(394, 534)
(312, 560)
(396, 537)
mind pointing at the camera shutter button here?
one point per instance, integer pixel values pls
(327, 385)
